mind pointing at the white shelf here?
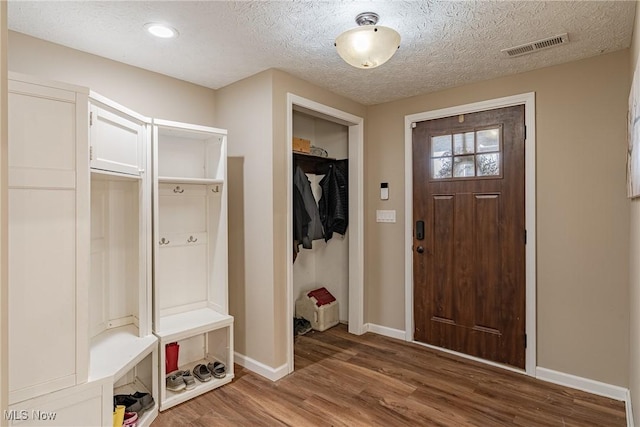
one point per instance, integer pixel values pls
(184, 325)
(147, 416)
(175, 398)
(116, 351)
(111, 175)
(185, 180)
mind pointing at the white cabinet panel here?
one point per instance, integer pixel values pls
(184, 211)
(42, 292)
(117, 143)
(182, 275)
(48, 237)
(42, 141)
(82, 406)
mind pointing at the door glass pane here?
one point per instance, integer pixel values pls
(441, 146)
(488, 164)
(463, 166)
(488, 140)
(463, 143)
(441, 167)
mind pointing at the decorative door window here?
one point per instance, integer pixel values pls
(467, 154)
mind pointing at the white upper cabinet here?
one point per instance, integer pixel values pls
(116, 137)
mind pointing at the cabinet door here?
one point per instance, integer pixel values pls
(117, 143)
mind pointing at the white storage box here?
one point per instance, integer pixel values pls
(320, 308)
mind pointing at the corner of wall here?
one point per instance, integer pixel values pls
(4, 346)
(634, 270)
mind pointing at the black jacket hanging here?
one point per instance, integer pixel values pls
(301, 182)
(334, 203)
(301, 220)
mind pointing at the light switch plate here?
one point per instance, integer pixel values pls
(385, 216)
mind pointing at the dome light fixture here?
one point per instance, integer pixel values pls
(163, 31)
(368, 45)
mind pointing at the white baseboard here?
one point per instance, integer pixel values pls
(383, 330)
(629, 409)
(584, 384)
(273, 374)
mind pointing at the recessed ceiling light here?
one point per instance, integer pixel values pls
(161, 30)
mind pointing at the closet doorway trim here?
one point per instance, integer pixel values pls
(355, 126)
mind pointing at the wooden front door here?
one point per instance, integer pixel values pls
(469, 234)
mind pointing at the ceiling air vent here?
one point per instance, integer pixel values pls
(537, 45)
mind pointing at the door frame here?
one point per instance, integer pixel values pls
(355, 126)
(528, 100)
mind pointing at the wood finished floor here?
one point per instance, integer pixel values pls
(370, 380)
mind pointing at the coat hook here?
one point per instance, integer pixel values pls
(216, 189)
(164, 241)
(178, 189)
(192, 240)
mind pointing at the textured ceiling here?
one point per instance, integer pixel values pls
(444, 43)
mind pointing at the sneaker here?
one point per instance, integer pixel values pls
(189, 381)
(301, 326)
(131, 404)
(175, 382)
(145, 399)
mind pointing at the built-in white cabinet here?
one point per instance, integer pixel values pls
(123, 349)
(120, 283)
(116, 138)
(190, 251)
(85, 241)
(80, 324)
(48, 237)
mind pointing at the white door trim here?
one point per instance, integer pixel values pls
(356, 212)
(528, 100)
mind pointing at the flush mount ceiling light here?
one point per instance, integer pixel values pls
(161, 30)
(368, 45)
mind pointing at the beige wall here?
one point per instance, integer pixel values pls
(146, 92)
(582, 211)
(254, 112)
(244, 109)
(634, 265)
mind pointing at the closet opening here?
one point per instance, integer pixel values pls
(325, 220)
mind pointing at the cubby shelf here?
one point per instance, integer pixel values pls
(186, 180)
(175, 398)
(183, 325)
(116, 351)
(111, 175)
